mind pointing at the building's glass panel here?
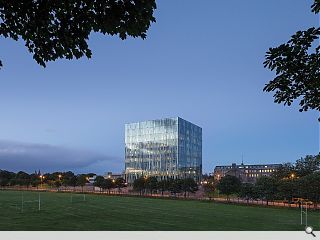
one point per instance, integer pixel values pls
(166, 148)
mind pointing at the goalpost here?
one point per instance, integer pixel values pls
(23, 202)
(304, 210)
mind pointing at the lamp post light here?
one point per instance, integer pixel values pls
(59, 185)
(41, 179)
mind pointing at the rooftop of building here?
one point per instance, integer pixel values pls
(266, 165)
(162, 119)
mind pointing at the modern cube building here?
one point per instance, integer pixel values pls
(165, 148)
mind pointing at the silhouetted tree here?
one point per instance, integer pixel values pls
(307, 165)
(22, 179)
(163, 186)
(69, 179)
(151, 184)
(266, 188)
(61, 29)
(98, 182)
(229, 185)
(120, 183)
(108, 184)
(175, 186)
(139, 185)
(310, 187)
(35, 180)
(73, 181)
(82, 180)
(6, 177)
(248, 191)
(296, 64)
(284, 171)
(188, 185)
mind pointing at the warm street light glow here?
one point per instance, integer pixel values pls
(113, 180)
(292, 175)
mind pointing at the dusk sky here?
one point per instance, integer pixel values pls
(201, 61)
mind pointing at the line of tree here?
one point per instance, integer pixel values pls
(299, 180)
(151, 185)
(108, 183)
(56, 179)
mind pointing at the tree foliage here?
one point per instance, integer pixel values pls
(61, 29)
(139, 185)
(266, 188)
(120, 183)
(6, 177)
(151, 184)
(297, 67)
(107, 184)
(284, 171)
(229, 185)
(307, 165)
(189, 186)
(248, 191)
(310, 187)
(209, 185)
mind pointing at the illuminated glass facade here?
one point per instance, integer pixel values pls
(165, 148)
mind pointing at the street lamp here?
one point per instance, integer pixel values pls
(41, 179)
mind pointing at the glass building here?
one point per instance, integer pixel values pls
(165, 148)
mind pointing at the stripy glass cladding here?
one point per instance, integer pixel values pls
(165, 148)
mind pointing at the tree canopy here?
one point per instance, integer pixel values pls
(61, 29)
(229, 185)
(297, 67)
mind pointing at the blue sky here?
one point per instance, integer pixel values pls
(202, 62)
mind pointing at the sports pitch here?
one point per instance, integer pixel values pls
(132, 213)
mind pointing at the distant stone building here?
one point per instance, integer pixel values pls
(246, 173)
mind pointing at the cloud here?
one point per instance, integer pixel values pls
(15, 156)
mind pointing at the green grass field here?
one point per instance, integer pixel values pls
(132, 213)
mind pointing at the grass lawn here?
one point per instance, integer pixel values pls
(132, 213)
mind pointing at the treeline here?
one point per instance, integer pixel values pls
(151, 185)
(108, 183)
(56, 179)
(289, 182)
